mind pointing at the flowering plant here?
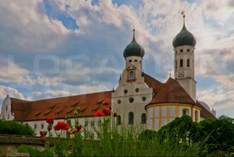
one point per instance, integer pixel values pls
(104, 112)
(50, 120)
(61, 126)
(98, 114)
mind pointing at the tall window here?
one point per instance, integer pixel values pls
(176, 64)
(118, 120)
(188, 62)
(131, 75)
(181, 62)
(143, 118)
(196, 116)
(130, 118)
(86, 123)
(185, 112)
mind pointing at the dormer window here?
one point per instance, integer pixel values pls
(131, 75)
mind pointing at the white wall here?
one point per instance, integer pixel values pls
(6, 113)
(81, 121)
(158, 116)
(120, 100)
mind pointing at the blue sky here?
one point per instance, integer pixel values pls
(51, 48)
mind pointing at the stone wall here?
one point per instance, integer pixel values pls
(10, 143)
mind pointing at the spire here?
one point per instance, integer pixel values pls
(133, 30)
(183, 15)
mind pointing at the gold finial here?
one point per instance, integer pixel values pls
(133, 30)
(183, 15)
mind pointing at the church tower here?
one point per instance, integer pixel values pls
(184, 46)
(132, 94)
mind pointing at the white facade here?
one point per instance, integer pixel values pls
(132, 94)
(6, 109)
(90, 124)
(162, 114)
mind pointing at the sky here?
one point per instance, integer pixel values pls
(52, 48)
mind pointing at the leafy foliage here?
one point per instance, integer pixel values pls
(181, 137)
(16, 128)
(214, 137)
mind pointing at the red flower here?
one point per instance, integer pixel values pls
(50, 120)
(98, 114)
(43, 133)
(66, 126)
(106, 111)
(61, 126)
(78, 128)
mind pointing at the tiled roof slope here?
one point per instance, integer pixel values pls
(152, 82)
(169, 92)
(60, 107)
(172, 92)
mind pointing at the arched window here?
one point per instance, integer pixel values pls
(196, 116)
(143, 118)
(185, 112)
(131, 75)
(130, 118)
(131, 100)
(188, 62)
(118, 120)
(86, 123)
(181, 62)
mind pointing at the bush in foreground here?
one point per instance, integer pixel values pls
(15, 128)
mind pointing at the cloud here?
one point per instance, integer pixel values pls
(88, 39)
(53, 11)
(26, 29)
(11, 92)
(11, 72)
(219, 98)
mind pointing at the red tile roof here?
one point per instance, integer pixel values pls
(171, 92)
(60, 107)
(152, 83)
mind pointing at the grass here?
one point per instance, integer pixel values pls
(114, 143)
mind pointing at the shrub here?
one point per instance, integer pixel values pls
(16, 128)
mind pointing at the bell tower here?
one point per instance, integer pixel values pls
(132, 93)
(184, 46)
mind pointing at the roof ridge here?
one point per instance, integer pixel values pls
(62, 97)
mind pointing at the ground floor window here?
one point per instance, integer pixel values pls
(118, 120)
(185, 112)
(143, 118)
(196, 116)
(130, 118)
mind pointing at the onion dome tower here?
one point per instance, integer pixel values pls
(133, 55)
(184, 45)
(133, 48)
